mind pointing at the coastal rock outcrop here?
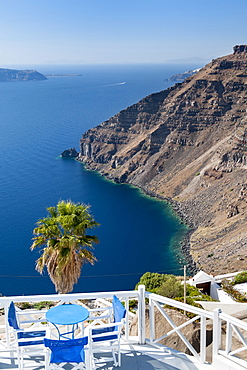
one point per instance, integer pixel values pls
(20, 75)
(188, 144)
(69, 153)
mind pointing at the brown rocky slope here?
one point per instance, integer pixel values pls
(188, 144)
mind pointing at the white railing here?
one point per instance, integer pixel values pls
(235, 342)
(102, 298)
(235, 330)
(159, 302)
(227, 351)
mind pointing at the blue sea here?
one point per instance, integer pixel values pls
(38, 120)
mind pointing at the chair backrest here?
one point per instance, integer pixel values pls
(119, 314)
(66, 350)
(118, 309)
(23, 338)
(12, 318)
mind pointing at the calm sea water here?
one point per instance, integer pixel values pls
(38, 120)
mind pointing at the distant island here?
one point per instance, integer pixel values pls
(182, 76)
(62, 75)
(8, 75)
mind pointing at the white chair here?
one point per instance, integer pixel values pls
(103, 343)
(106, 338)
(63, 352)
(27, 342)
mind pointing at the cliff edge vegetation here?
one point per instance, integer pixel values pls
(188, 144)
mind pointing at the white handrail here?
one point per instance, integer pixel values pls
(68, 297)
(159, 302)
(64, 298)
(235, 327)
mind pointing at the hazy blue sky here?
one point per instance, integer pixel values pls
(118, 31)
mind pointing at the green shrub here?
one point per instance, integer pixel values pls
(171, 288)
(35, 305)
(189, 301)
(152, 281)
(43, 305)
(192, 291)
(240, 278)
(133, 303)
(24, 305)
(235, 294)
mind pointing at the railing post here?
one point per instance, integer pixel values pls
(203, 337)
(216, 332)
(228, 337)
(141, 314)
(6, 309)
(151, 320)
(127, 319)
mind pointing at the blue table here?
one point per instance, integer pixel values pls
(67, 314)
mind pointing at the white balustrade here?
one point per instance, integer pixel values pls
(235, 328)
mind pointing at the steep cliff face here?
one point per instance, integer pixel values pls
(189, 144)
(20, 75)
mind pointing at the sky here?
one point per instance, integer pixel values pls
(118, 31)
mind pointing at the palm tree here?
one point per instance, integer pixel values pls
(66, 246)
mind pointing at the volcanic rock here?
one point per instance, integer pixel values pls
(69, 153)
(187, 144)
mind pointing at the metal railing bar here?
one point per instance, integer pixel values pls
(67, 297)
(180, 326)
(183, 338)
(233, 320)
(233, 360)
(180, 305)
(237, 351)
(240, 335)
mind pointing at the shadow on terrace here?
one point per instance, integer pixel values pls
(151, 335)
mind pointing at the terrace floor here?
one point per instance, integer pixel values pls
(134, 357)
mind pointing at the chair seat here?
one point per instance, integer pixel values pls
(103, 330)
(66, 351)
(28, 342)
(97, 334)
(31, 335)
(106, 337)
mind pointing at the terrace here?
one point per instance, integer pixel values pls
(224, 348)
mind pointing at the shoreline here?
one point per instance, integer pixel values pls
(184, 245)
(186, 220)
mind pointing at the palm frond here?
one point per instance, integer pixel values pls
(64, 242)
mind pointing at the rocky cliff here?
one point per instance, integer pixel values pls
(20, 75)
(188, 144)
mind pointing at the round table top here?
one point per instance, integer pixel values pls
(67, 314)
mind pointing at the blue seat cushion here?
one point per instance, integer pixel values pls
(31, 334)
(102, 331)
(71, 350)
(108, 337)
